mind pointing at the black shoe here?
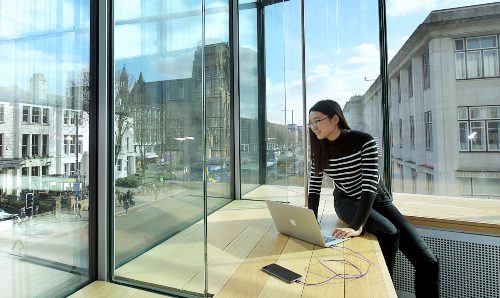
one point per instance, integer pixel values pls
(427, 279)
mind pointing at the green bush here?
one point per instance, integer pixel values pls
(14, 205)
(130, 181)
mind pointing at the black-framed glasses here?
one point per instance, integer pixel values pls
(315, 123)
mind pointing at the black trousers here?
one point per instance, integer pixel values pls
(394, 232)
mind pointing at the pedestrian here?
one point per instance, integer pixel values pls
(126, 201)
(360, 197)
(18, 233)
(78, 207)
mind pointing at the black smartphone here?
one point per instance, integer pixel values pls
(281, 272)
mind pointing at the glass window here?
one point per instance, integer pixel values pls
(478, 112)
(459, 44)
(460, 68)
(173, 108)
(410, 81)
(66, 116)
(493, 112)
(463, 113)
(45, 145)
(26, 114)
(477, 136)
(1, 144)
(25, 144)
(489, 41)
(35, 145)
(463, 128)
(399, 89)
(400, 133)
(45, 116)
(35, 115)
(473, 43)
(490, 60)
(2, 111)
(412, 132)
(428, 131)
(427, 71)
(480, 60)
(493, 135)
(474, 65)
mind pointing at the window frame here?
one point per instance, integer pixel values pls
(426, 70)
(428, 131)
(468, 115)
(465, 52)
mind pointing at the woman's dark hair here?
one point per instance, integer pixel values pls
(319, 148)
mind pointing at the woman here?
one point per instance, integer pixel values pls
(360, 198)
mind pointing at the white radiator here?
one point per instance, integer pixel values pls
(470, 265)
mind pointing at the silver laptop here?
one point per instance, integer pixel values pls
(300, 223)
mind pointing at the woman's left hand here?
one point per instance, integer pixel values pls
(347, 232)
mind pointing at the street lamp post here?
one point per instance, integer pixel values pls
(286, 110)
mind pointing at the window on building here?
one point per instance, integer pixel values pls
(427, 71)
(479, 128)
(24, 171)
(2, 113)
(399, 89)
(26, 114)
(69, 144)
(493, 135)
(400, 133)
(412, 132)
(66, 117)
(430, 183)
(45, 145)
(35, 171)
(119, 165)
(24, 145)
(35, 145)
(476, 57)
(414, 176)
(410, 82)
(1, 145)
(477, 136)
(45, 116)
(35, 115)
(463, 127)
(80, 144)
(45, 170)
(428, 131)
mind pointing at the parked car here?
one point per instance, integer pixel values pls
(6, 215)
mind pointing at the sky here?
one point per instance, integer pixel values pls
(342, 56)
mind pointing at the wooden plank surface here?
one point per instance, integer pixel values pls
(104, 289)
(456, 213)
(243, 239)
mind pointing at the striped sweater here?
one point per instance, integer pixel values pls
(353, 165)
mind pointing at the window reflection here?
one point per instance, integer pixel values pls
(169, 133)
(43, 183)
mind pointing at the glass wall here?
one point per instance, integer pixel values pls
(271, 113)
(343, 61)
(172, 138)
(44, 147)
(445, 109)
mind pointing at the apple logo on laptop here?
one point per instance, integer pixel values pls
(292, 222)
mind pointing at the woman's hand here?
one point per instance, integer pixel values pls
(347, 232)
